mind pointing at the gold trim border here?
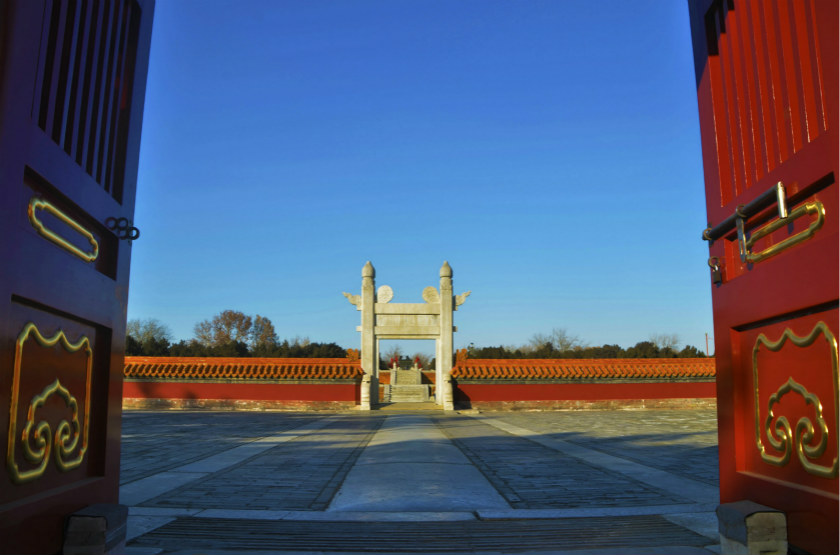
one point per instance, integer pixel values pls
(783, 437)
(41, 204)
(67, 434)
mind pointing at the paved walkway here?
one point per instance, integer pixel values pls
(615, 482)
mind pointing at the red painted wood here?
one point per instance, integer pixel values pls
(45, 86)
(477, 392)
(767, 76)
(241, 391)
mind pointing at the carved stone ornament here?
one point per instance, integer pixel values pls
(354, 299)
(430, 295)
(459, 299)
(384, 294)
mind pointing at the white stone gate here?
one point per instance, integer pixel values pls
(429, 320)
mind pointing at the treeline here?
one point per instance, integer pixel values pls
(560, 344)
(295, 348)
(642, 349)
(235, 334)
(228, 334)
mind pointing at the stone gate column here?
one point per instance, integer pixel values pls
(438, 373)
(369, 363)
(445, 343)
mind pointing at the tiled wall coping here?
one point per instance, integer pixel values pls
(585, 370)
(229, 370)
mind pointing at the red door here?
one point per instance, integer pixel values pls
(768, 100)
(71, 96)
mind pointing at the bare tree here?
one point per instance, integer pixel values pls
(559, 339)
(665, 340)
(425, 361)
(226, 327)
(392, 352)
(148, 329)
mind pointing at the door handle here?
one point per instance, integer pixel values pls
(775, 194)
(745, 244)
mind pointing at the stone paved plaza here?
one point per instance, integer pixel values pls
(400, 481)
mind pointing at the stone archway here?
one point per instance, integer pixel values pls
(432, 319)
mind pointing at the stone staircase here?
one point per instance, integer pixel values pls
(407, 387)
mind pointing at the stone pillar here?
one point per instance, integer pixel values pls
(448, 397)
(364, 397)
(445, 343)
(369, 363)
(438, 374)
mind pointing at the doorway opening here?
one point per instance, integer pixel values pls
(407, 370)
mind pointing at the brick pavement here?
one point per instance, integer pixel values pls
(533, 476)
(156, 441)
(575, 481)
(286, 477)
(682, 442)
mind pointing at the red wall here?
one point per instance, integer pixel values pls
(242, 391)
(477, 392)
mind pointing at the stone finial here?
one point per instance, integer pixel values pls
(368, 270)
(445, 270)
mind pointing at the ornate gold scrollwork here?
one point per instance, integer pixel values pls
(67, 435)
(782, 437)
(40, 204)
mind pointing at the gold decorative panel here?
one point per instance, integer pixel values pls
(69, 443)
(811, 436)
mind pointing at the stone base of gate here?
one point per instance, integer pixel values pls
(747, 528)
(97, 529)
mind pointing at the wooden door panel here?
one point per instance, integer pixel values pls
(768, 89)
(789, 431)
(47, 214)
(71, 99)
(808, 269)
(55, 434)
(767, 78)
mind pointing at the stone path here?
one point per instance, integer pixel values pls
(617, 482)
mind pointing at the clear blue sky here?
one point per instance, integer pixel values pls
(549, 150)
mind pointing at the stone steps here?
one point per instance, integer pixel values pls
(627, 534)
(409, 393)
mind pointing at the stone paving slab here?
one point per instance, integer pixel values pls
(267, 484)
(409, 465)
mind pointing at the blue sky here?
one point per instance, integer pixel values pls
(549, 150)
